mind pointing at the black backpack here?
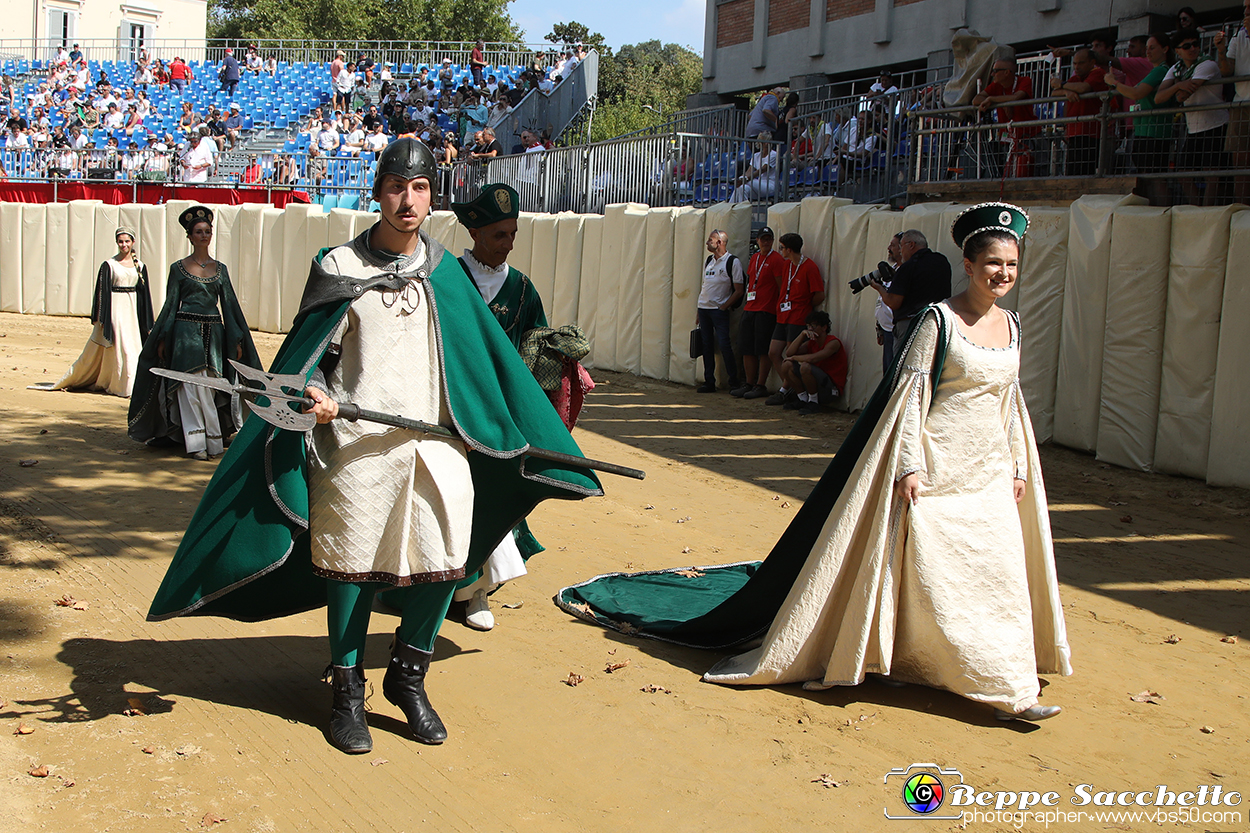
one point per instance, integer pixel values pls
(729, 270)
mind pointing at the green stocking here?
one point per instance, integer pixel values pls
(423, 608)
(347, 614)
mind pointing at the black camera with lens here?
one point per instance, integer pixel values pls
(883, 274)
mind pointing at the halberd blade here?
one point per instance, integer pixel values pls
(214, 382)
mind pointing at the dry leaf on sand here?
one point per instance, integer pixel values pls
(690, 573)
(1148, 697)
(616, 666)
(40, 771)
(211, 819)
(23, 729)
(574, 679)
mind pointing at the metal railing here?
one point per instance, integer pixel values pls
(548, 114)
(721, 120)
(1155, 144)
(399, 53)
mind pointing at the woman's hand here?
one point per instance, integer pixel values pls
(239, 350)
(1017, 488)
(326, 408)
(160, 352)
(908, 488)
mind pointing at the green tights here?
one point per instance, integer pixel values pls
(423, 607)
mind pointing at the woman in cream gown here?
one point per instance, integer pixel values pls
(121, 313)
(924, 554)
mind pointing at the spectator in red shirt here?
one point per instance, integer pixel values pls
(1007, 87)
(1082, 137)
(253, 173)
(179, 74)
(759, 317)
(800, 289)
(815, 365)
(477, 62)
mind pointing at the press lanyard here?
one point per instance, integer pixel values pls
(794, 270)
(753, 282)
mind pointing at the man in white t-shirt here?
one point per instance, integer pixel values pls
(1187, 83)
(377, 140)
(1234, 60)
(328, 138)
(355, 139)
(760, 180)
(720, 292)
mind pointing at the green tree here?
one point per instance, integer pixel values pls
(334, 20)
(643, 85)
(574, 32)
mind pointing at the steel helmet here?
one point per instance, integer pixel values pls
(408, 158)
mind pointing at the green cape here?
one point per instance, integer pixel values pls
(733, 603)
(246, 552)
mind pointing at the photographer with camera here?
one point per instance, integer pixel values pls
(815, 365)
(923, 278)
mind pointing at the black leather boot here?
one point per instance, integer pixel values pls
(348, 730)
(404, 685)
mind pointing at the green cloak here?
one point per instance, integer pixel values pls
(730, 604)
(246, 552)
(518, 308)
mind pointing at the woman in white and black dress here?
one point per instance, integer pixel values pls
(121, 317)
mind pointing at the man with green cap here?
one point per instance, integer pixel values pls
(291, 521)
(491, 219)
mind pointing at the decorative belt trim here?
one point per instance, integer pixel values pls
(198, 318)
(125, 289)
(390, 578)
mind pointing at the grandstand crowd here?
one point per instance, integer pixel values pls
(74, 117)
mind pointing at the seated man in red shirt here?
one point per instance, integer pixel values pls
(1007, 87)
(800, 289)
(815, 365)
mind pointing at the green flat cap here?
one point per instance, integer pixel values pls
(496, 202)
(999, 216)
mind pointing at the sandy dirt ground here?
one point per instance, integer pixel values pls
(205, 722)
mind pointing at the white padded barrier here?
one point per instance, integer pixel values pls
(11, 271)
(588, 291)
(103, 246)
(34, 262)
(1200, 241)
(816, 227)
(439, 226)
(657, 293)
(245, 269)
(783, 218)
(1043, 267)
(296, 257)
(522, 255)
(152, 247)
(850, 244)
(339, 230)
(630, 289)
(1229, 458)
(361, 222)
(1137, 297)
(177, 246)
(1079, 382)
(542, 264)
(272, 266)
(567, 275)
(689, 251)
(318, 238)
(58, 217)
(607, 315)
(226, 242)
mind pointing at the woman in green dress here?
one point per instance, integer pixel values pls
(200, 326)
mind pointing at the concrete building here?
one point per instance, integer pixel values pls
(106, 29)
(752, 44)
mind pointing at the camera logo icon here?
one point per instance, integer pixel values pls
(923, 789)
